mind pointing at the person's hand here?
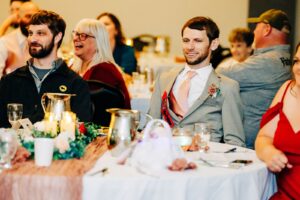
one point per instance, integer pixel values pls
(12, 19)
(277, 161)
(21, 155)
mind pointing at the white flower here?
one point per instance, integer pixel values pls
(62, 142)
(40, 126)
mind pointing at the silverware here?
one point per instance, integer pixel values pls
(223, 165)
(104, 171)
(206, 162)
(230, 150)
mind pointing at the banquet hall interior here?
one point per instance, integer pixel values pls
(123, 152)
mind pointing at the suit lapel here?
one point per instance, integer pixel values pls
(169, 85)
(212, 79)
(171, 79)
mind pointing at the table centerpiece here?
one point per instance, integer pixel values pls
(67, 145)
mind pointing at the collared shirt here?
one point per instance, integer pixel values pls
(38, 82)
(259, 76)
(198, 82)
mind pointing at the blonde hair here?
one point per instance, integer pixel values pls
(103, 53)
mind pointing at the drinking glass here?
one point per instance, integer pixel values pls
(135, 78)
(183, 136)
(202, 130)
(8, 148)
(136, 82)
(14, 113)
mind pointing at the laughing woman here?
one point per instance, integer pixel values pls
(94, 59)
(278, 141)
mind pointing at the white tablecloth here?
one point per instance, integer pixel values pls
(252, 182)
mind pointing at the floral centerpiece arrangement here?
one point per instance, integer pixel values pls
(67, 145)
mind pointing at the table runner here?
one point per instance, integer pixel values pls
(62, 180)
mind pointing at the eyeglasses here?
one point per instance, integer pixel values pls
(81, 36)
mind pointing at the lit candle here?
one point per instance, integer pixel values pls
(67, 124)
(51, 124)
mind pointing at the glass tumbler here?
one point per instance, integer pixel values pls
(8, 148)
(202, 130)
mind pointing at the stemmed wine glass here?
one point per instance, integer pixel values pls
(14, 113)
(8, 147)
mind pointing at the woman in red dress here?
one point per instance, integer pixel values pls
(94, 59)
(278, 141)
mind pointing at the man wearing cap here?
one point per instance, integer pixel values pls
(261, 75)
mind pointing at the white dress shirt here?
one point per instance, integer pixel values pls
(198, 82)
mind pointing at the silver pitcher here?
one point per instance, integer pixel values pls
(122, 129)
(56, 104)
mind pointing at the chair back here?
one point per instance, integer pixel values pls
(104, 96)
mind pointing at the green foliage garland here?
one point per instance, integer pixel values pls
(84, 135)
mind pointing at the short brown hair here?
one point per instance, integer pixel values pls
(241, 35)
(203, 23)
(55, 22)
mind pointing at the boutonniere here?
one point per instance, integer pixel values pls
(164, 109)
(213, 91)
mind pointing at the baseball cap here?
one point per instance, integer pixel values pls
(276, 18)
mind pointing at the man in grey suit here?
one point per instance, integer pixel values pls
(261, 75)
(195, 93)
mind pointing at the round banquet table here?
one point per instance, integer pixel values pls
(60, 181)
(76, 178)
(251, 182)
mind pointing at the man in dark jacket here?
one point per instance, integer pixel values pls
(44, 73)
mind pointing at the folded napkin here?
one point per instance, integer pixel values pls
(157, 150)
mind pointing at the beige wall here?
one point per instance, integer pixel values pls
(159, 17)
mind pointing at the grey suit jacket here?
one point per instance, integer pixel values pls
(223, 112)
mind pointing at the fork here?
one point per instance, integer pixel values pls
(229, 165)
(206, 162)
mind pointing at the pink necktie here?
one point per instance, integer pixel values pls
(180, 105)
(183, 92)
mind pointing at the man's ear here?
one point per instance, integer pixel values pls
(267, 29)
(58, 37)
(214, 44)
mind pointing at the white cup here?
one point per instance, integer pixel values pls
(43, 151)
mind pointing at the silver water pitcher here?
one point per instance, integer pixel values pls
(122, 129)
(56, 104)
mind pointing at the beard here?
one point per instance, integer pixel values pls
(198, 60)
(43, 52)
(23, 27)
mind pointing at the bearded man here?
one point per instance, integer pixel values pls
(195, 93)
(44, 73)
